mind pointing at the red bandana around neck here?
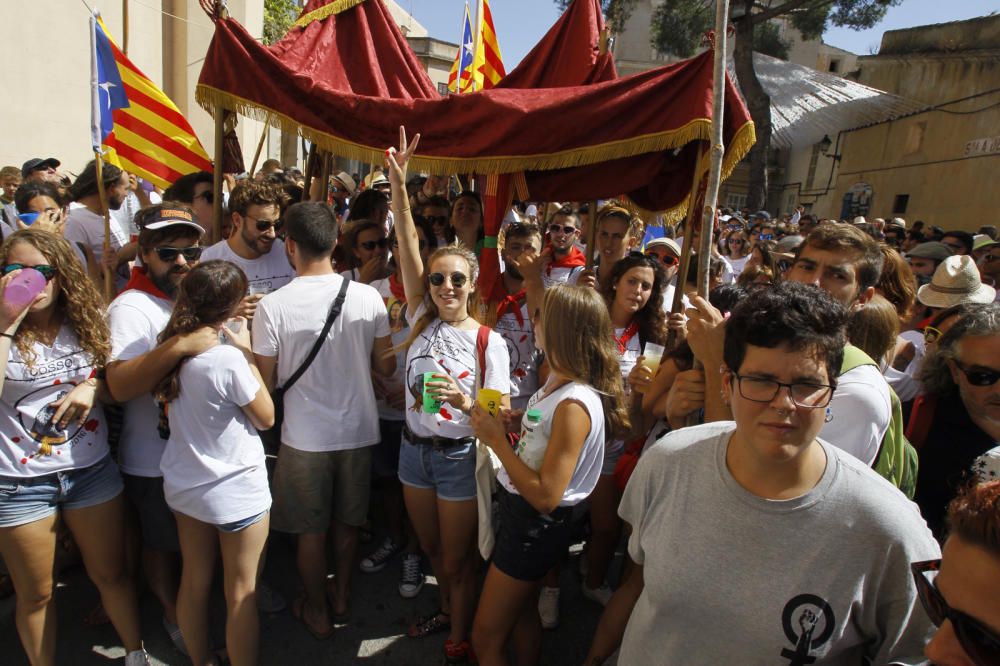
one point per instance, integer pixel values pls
(512, 303)
(627, 335)
(396, 287)
(573, 259)
(141, 282)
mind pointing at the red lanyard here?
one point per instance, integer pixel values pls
(629, 333)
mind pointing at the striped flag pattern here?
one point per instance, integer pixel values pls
(138, 126)
(489, 63)
(460, 78)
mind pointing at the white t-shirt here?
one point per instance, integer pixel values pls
(83, 226)
(397, 383)
(267, 272)
(136, 319)
(213, 466)
(532, 449)
(554, 275)
(31, 444)
(738, 265)
(382, 287)
(626, 361)
(332, 406)
(520, 339)
(861, 411)
(444, 349)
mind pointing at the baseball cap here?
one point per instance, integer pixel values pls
(930, 250)
(36, 163)
(169, 216)
(668, 243)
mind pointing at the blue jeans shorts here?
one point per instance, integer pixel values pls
(450, 471)
(26, 500)
(238, 525)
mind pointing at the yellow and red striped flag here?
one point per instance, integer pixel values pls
(488, 65)
(460, 77)
(137, 125)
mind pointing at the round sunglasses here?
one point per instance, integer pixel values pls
(458, 279)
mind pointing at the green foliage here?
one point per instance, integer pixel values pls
(616, 12)
(278, 18)
(680, 26)
(767, 40)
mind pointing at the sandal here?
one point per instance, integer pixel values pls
(434, 623)
(298, 612)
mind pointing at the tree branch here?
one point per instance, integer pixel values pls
(785, 8)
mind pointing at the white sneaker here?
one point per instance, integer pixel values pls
(137, 658)
(412, 580)
(548, 607)
(377, 560)
(601, 595)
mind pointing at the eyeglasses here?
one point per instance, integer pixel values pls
(458, 280)
(666, 259)
(371, 245)
(264, 225)
(804, 394)
(48, 272)
(422, 244)
(931, 334)
(984, 377)
(738, 241)
(558, 228)
(431, 219)
(169, 254)
(208, 195)
(979, 642)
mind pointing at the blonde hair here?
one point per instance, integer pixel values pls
(578, 344)
(76, 297)
(456, 249)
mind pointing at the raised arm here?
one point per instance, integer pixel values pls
(408, 255)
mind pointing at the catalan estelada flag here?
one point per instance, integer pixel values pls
(133, 124)
(460, 78)
(488, 65)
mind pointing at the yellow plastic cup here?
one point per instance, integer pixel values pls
(489, 399)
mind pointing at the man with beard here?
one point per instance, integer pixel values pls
(195, 191)
(85, 223)
(253, 245)
(566, 260)
(168, 244)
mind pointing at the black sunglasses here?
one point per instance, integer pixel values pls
(558, 228)
(986, 377)
(169, 254)
(371, 245)
(979, 642)
(431, 219)
(48, 272)
(458, 280)
(264, 225)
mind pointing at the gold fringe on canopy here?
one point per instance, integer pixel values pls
(326, 11)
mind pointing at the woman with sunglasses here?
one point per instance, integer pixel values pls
(634, 298)
(54, 457)
(436, 212)
(737, 251)
(367, 250)
(555, 466)
(961, 600)
(449, 355)
(214, 478)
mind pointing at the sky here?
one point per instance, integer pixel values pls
(521, 23)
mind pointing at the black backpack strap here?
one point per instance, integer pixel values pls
(335, 309)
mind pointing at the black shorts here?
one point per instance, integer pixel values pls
(529, 543)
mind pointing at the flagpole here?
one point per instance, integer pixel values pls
(220, 131)
(103, 195)
(592, 235)
(718, 149)
(477, 41)
(125, 27)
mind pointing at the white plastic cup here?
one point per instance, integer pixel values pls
(258, 288)
(652, 355)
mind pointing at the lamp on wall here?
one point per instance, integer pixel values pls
(824, 147)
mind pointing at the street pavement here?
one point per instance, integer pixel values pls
(376, 634)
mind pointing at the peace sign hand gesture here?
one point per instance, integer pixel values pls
(396, 160)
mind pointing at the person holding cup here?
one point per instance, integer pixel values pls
(449, 355)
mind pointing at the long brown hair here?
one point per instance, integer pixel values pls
(76, 296)
(208, 296)
(577, 331)
(652, 320)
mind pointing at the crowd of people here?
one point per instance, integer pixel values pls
(785, 461)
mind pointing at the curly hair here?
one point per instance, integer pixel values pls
(974, 516)
(78, 299)
(208, 296)
(652, 319)
(254, 193)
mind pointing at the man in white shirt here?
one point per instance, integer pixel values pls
(168, 242)
(330, 421)
(85, 223)
(254, 245)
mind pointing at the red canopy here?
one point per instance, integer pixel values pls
(346, 79)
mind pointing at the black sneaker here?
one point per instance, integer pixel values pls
(377, 560)
(412, 580)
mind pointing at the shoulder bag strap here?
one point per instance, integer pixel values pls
(335, 309)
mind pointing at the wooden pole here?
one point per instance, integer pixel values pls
(109, 275)
(591, 234)
(125, 27)
(310, 161)
(718, 149)
(260, 145)
(694, 209)
(325, 176)
(220, 131)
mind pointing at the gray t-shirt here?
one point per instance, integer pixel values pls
(732, 578)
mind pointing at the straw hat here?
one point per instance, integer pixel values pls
(955, 281)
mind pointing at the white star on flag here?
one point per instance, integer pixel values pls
(106, 87)
(468, 47)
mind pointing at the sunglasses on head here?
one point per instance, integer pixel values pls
(431, 219)
(559, 228)
(458, 280)
(48, 272)
(984, 377)
(169, 254)
(979, 642)
(371, 245)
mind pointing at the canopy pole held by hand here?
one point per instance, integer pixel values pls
(109, 273)
(220, 131)
(591, 234)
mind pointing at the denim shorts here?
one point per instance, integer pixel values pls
(238, 525)
(26, 500)
(451, 471)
